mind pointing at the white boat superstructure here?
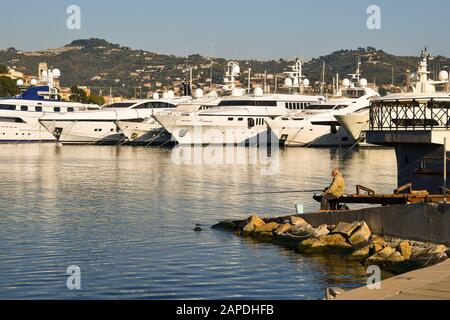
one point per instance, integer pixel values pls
(99, 127)
(236, 120)
(316, 125)
(149, 131)
(240, 117)
(357, 123)
(19, 116)
(319, 127)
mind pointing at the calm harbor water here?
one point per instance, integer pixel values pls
(126, 215)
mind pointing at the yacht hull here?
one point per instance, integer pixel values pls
(214, 130)
(27, 131)
(294, 133)
(84, 132)
(355, 124)
(149, 132)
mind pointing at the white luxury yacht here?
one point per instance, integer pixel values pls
(316, 125)
(149, 131)
(99, 127)
(19, 116)
(357, 123)
(239, 118)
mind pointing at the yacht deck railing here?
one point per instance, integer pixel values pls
(409, 115)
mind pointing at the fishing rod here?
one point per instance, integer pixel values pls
(278, 192)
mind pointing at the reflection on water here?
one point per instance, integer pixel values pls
(125, 216)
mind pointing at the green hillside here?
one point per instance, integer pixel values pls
(100, 65)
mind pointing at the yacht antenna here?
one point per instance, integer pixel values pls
(190, 78)
(276, 83)
(337, 83)
(249, 79)
(323, 78)
(265, 81)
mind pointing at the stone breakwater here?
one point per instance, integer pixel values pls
(353, 239)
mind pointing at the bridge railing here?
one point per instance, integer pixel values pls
(409, 115)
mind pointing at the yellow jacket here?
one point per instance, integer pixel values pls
(337, 187)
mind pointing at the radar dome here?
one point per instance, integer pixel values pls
(171, 94)
(236, 70)
(363, 82)
(288, 82)
(198, 93)
(33, 82)
(258, 92)
(156, 96)
(443, 75)
(165, 95)
(56, 73)
(306, 83)
(346, 83)
(19, 82)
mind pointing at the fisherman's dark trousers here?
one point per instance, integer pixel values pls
(326, 198)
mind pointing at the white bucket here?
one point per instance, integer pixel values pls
(299, 208)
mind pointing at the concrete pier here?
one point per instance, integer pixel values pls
(432, 283)
(421, 222)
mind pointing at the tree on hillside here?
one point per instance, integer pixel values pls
(3, 69)
(79, 95)
(8, 87)
(95, 99)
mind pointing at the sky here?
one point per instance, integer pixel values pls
(241, 29)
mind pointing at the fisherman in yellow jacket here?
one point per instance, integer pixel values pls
(334, 191)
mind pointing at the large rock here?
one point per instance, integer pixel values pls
(256, 220)
(360, 235)
(321, 231)
(248, 229)
(297, 221)
(346, 229)
(404, 248)
(282, 229)
(324, 244)
(225, 225)
(264, 236)
(303, 230)
(378, 243)
(362, 253)
(381, 256)
(416, 262)
(311, 245)
(396, 257)
(335, 241)
(428, 259)
(288, 240)
(436, 249)
(268, 227)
